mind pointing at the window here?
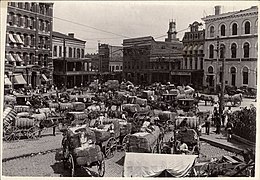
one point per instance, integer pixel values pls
(190, 63)
(82, 53)
(233, 50)
(27, 6)
(210, 69)
(233, 76)
(196, 63)
(245, 75)
(117, 67)
(25, 21)
(55, 51)
(74, 52)
(211, 31)
(78, 53)
(19, 20)
(186, 63)
(211, 51)
(201, 63)
(222, 51)
(223, 30)
(234, 29)
(247, 28)
(70, 52)
(20, 5)
(60, 51)
(246, 50)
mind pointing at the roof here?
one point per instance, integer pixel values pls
(252, 9)
(60, 35)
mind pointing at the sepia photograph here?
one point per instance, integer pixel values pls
(129, 89)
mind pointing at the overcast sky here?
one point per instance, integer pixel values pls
(132, 19)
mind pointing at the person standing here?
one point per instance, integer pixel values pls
(229, 129)
(218, 123)
(207, 124)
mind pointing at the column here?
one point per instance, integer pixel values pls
(29, 77)
(38, 78)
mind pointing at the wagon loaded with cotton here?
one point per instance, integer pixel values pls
(80, 150)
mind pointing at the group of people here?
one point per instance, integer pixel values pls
(219, 120)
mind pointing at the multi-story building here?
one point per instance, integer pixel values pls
(146, 61)
(103, 53)
(116, 62)
(28, 43)
(193, 54)
(232, 37)
(71, 68)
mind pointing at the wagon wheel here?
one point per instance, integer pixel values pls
(71, 165)
(101, 167)
(32, 133)
(125, 143)
(12, 134)
(110, 148)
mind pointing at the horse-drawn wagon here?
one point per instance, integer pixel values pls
(80, 150)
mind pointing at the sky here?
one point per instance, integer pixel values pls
(112, 21)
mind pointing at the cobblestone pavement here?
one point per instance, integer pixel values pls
(49, 165)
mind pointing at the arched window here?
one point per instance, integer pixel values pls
(211, 31)
(233, 50)
(210, 69)
(233, 76)
(234, 29)
(245, 75)
(223, 30)
(82, 53)
(222, 50)
(211, 51)
(247, 27)
(246, 50)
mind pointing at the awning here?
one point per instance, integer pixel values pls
(190, 48)
(11, 38)
(185, 48)
(18, 39)
(18, 58)
(45, 78)
(201, 47)
(7, 81)
(18, 79)
(195, 48)
(10, 58)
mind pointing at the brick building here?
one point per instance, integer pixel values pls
(71, 68)
(146, 61)
(193, 54)
(28, 43)
(235, 33)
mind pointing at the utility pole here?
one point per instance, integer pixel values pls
(217, 71)
(221, 106)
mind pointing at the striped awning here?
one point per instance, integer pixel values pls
(190, 48)
(10, 58)
(18, 39)
(18, 79)
(18, 58)
(185, 48)
(12, 39)
(45, 78)
(201, 48)
(195, 48)
(7, 81)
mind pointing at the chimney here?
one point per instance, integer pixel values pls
(217, 10)
(71, 35)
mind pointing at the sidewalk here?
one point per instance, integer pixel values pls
(220, 140)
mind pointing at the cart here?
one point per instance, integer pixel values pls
(187, 104)
(143, 142)
(80, 150)
(158, 165)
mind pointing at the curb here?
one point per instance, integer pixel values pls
(30, 154)
(221, 145)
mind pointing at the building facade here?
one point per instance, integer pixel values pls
(146, 61)
(28, 43)
(71, 68)
(193, 55)
(232, 37)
